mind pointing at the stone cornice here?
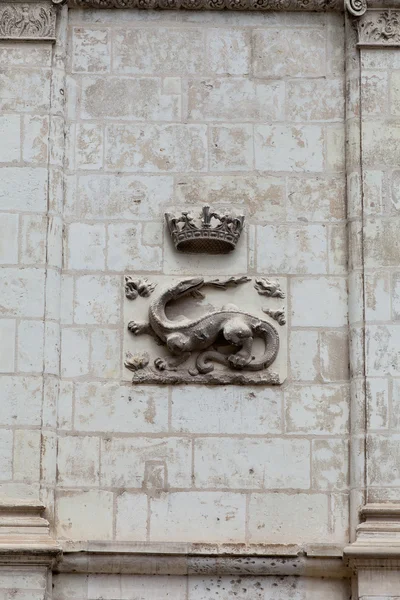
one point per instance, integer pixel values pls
(254, 5)
(27, 21)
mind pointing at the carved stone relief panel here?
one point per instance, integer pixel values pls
(206, 330)
(379, 28)
(27, 21)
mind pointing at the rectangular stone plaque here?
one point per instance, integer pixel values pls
(243, 306)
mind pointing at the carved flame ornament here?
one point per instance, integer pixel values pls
(212, 233)
(27, 21)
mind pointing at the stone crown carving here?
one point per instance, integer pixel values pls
(211, 234)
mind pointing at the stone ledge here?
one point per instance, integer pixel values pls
(152, 558)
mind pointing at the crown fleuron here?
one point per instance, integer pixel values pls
(210, 234)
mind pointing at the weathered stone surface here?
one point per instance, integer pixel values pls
(83, 515)
(382, 350)
(86, 247)
(23, 189)
(91, 50)
(308, 309)
(303, 148)
(317, 409)
(78, 461)
(8, 239)
(231, 148)
(127, 250)
(97, 299)
(315, 100)
(316, 198)
(334, 355)
(22, 292)
(304, 356)
(131, 517)
(330, 464)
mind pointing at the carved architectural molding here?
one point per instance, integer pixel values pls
(27, 21)
(379, 28)
(356, 7)
(287, 5)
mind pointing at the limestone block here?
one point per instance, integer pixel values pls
(292, 250)
(288, 518)
(22, 292)
(395, 398)
(21, 400)
(65, 405)
(84, 515)
(8, 239)
(105, 356)
(172, 85)
(330, 464)
(131, 517)
(133, 587)
(304, 355)
(395, 296)
(237, 410)
(24, 90)
(377, 137)
(377, 296)
(319, 302)
(156, 148)
(67, 299)
(317, 409)
(78, 461)
(10, 130)
(6, 454)
(315, 100)
(335, 148)
(127, 249)
(54, 248)
(394, 92)
(20, 54)
(7, 347)
(86, 246)
(33, 239)
(374, 90)
(383, 460)
(340, 510)
(140, 99)
(198, 516)
(35, 139)
(260, 196)
(128, 197)
(23, 189)
(123, 409)
(69, 586)
(123, 460)
(26, 457)
(316, 198)
(337, 249)
(30, 346)
(228, 51)
(289, 148)
(334, 352)
(231, 148)
(382, 350)
(378, 402)
(97, 299)
(235, 100)
(158, 50)
(296, 53)
(90, 50)
(89, 146)
(382, 246)
(75, 347)
(251, 463)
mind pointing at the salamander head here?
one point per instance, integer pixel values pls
(186, 286)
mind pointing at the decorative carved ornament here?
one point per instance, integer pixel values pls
(356, 7)
(301, 5)
(27, 21)
(239, 341)
(379, 28)
(212, 233)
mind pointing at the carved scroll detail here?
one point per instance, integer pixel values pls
(379, 28)
(27, 22)
(356, 7)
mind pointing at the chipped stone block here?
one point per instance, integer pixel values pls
(84, 515)
(315, 100)
(383, 453)
(289, 148)
(86, 246)
(105, 356)
(78, 461)
(156, 148)
(123, 460)
(22, 292)
(131, 517)
(330, 466)
(115, 408)
(292, 250)
(127, 250)
(64, 405)
(233, 410)
(8, 239)
(334, 352)
(140, 99)
(304, 355)
(235, 100)
(317, 409)
(335, 148)
(228, 51)
(89, 146)
(377, 396)
(382, 350)
(74, 352)
(377, 296)
(288, 518)
(374, 93)
(296, 53)
(26, 458)
(97, 299)
(198, 517)
(23, 188)
(319, 302)
(231, 148)
(395, 296)
(158, 50)
(21, 400)
(251, 463)
(30, 346)
(67, 299)
(24, 90)
(35, 139)
(377, 137)
(91, 50)
(337, 249)
(317, 198)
